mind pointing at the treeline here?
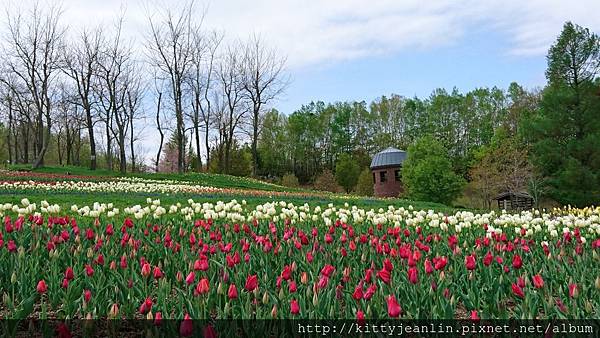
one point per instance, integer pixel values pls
(311, 139)
(64, 93)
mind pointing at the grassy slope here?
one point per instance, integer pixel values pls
(215, 180)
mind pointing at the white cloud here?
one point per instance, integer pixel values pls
(321, 32)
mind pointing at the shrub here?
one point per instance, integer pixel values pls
(290, 180)
(347, 172)
(427, 173)
(364, 186)
(326, 182)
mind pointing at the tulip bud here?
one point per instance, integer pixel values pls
(265, 298)
(5, 299)
(315, 300)
(588, 306)
(281, 294)
(255, 292)
(90, 253)
(294, 266)
(274, 311)
(114, 311)
(452, 300)
(149, 316)
(597, 283)
(304, 278)
(443, 276)
(226, 309)
(13, 278)
(179, 276)
(220, 288)
(369, 311)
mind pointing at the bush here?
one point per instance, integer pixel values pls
(347, 172)
(290, 180)
(364, 187)
(326, 182)
(427, 173)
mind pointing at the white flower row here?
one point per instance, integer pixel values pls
(127, 185)
(546, 224)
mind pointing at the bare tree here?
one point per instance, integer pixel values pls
(263, 82)
(232, 87)
(113, 62)
(80, 64)
(134, 93)
(159, 93)
(170, 50)
(34, 44)
(201, 83)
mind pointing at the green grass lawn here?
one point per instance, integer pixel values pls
(66, 199)
(213, 180)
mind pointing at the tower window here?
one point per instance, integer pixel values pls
(398, 174)
(382, 176)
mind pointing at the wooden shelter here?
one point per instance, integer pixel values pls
(514, 201)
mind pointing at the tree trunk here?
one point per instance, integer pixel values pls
(90, 128)
(162, 135)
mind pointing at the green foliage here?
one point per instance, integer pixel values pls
(327, 182)
(565, 132)
(347, 172)
(427, 172)
(240, 160)
(364, 186)
(290, 180)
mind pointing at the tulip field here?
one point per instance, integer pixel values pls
(228, 259)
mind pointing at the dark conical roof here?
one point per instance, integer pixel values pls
(390, 157)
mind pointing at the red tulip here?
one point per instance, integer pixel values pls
(517, 262)
(573, 291)
(538, 282)
(358, 293)
(517, 290)
(69, 273)
(190, 278)
(474, 315)
(203, 286)
(428, 266)
(440, 263)
(146, 306)
(470, 262)
(327, 270)
(187, 326)
(251, 283)
(294, 307)
(146, 270)
(413, 275)
(387, 264)
(157, 273)
(370, 292)
(487, 259)
(157, 318)
(521, 282)
(323, 281)
(286, 274)
(360, 317)
(89, 270)
(384, 275)
(65, 283)
(209, 332)
(393, 307)
(123, 263)
(292, 287)
(87, 295)
(41, 287)
(232, 292)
